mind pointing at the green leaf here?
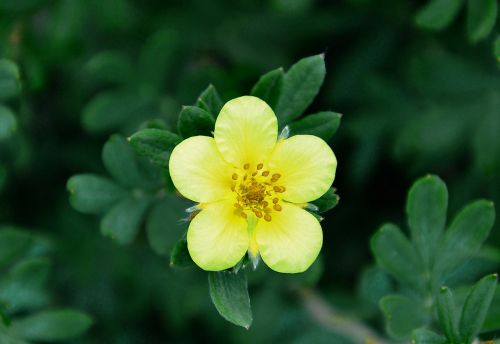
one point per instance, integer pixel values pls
(4, 318)
(466, 234)
(326, 202)
(210, 101)
(52, 325)
(269, 87)
(157, 58)
(374, 284)
(155, 144)
(10, 84)
(195, 121)
(300, 86)
(424, 336)
(165, 225)
(92, 194)
(322, 124)
(120, 161)
(403, 315)
(13, 245)
(481, 17)
(23, 286)
(8, 123)
(476, 307)
(438, 14)
(395, 254)
(180, 257)
(229, 293)
(448, 314)
(123, 221)
(112, 110)
(109, 67)
(426, 208)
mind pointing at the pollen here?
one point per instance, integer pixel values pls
(256, 192)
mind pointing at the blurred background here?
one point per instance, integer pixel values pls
(414, 100)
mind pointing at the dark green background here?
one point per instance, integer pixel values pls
(414, 102)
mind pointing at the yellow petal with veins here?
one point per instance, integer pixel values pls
(246, 131)
(217, 237)
(198, 170)
(291, 241)
(307, 166)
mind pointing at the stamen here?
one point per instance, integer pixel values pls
(265, 203)
(260, 166)
(276, 188)
(237, 205)
(258, 213)
(276, 176)
(268, 218)
(234, 176)
(265, 173)
(277, 207)
(243, 215)
(246, 166)
(275, 200)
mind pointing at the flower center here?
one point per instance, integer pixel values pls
(257, 191)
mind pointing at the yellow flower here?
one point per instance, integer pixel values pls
(251, 188)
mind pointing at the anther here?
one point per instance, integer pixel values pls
(259, 166)
(265, 204)
(265, 173)
(276, 176)
(276, 188)
(257, 213)
(246, 166)
(234, 176)
(277, 207)
(267, 217)
(275, 200)
(243, 215)
(254, 174)
(237, 205)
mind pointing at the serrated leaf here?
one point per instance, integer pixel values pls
(300, 86)
(22, 288)
(476, 307)
(51, 325)
(180, 257)
(425, 336)
(466, 234)
(92, 194)
(395, 254)
(229, 293)
(321, 124)
(8, 123)
(402, 314)
(164, 224)
(269, 87)
(122, 222)
(327, 202)
(195, 121)
(481, 18)
(438, 14)
(210, 101)
(426, 207)
(155, 145)
(448, 314)
(13, 245)
(10, 84)
(119, 159)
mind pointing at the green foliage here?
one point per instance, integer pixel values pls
(321, 124)
(10, 84)
(269, 87)
(327, 202)
(438, 14)
(229, 293)
(431, 258)
(481, 17)
(301, 84)
(155, 144)
(23, 291)
(195, 121)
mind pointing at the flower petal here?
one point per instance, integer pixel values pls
(291, 241)
(246, 131)
(198, 170)
(217, 237)
(307, 166)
